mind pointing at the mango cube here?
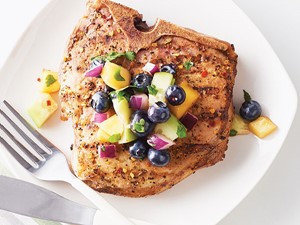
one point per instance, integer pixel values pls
(191, 97)
(49, 82)
(262, 126)
(115, 76)
(42, 109)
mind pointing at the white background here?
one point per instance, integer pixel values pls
(276, 199)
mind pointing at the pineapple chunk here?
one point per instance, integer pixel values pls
(262, 126)
(49, 82)
(42, 109)
(191, 98)
(102, 135)
(113, 125)
(239, 125)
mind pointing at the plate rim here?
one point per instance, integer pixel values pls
(295, 96)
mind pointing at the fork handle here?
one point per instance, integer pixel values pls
(105, 208)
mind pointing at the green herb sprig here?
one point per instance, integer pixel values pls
(181, 131)
(232, 132)
(152, 90)
(50, 80)
(114, 138)
(188, 65)
(114, 55)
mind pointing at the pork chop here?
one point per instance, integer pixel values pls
(110, 27)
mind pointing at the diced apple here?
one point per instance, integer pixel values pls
(122, 109)
(160, 82)
(239, 125)
(42, 109)
(128, 136)
(171, 129)
(115, 76)
(262, 126)
(191, 97)
(49, 81)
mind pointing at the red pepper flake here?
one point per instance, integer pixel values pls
(38, 79)
(119, 170)
(204, 73)
(212, 123)
(48, 103)
(224, 74)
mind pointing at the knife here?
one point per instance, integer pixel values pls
(28, 199)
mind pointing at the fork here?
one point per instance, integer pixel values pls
(51, 164)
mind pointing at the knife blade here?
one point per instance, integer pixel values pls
(34, 201)
(31, 200)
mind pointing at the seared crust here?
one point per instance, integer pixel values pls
(107, 27)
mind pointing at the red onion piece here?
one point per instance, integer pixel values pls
(151, 68)
(139, 101)
(100, 117)
(159, 142)
(189, 120)
(107, 151)
(94, 72)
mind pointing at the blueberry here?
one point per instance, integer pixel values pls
(140, 124)
(250, 110)
(159, 112)
(175, 95)
(169, 68)
(141, 82)
(100, 102)
(139, 149)
(159, 157)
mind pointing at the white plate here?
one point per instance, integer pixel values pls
(207, 196)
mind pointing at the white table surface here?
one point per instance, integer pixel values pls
(276, 199)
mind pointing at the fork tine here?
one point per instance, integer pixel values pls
(33, 131)
(18, 157)
(21, 146)
(37, 148)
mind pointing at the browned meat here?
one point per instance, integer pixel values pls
(108, 27)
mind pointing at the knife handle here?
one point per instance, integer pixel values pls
(105, 209)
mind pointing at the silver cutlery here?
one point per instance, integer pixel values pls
(27, 199)
(31, 200)
(51, 164)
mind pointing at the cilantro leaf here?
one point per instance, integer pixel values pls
(130, 56)
(181, 131)
(118, 76)
(120, 95)
(188, 65)
(152, 89)
(50, 80)
(113, 55)
(114, 138)
(140, 126)
(96, 58)
(233, 132)
(247, 96)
